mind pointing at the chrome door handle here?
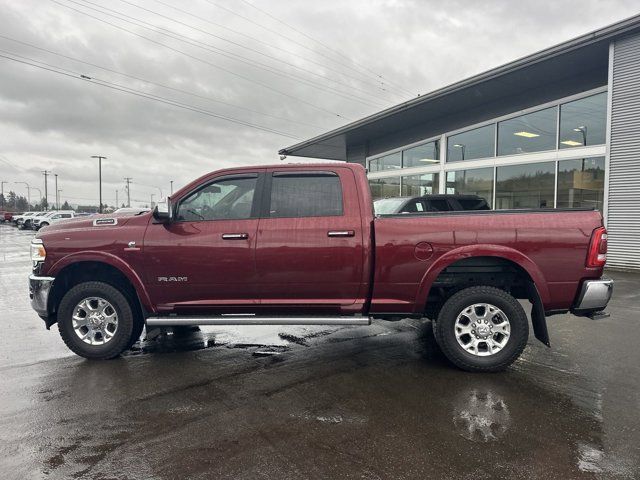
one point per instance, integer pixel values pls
(235, 236)
(341, 233)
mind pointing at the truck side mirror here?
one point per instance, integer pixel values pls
(162, 212)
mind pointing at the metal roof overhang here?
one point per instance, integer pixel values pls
(553, 65)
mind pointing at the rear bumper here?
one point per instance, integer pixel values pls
(594, 296)
(39, 288)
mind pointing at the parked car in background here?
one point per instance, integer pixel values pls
(7, 216)
(430, 203)
(299, 244)
(51, 217)
(28, 220)
(19, 219)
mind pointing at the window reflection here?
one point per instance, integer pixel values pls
(476, 143)
(478, 181)
(533, 132)
(388, 162)
(418, 185)
(421, 155)
(385, 187)
(583, 122)
(525, 186)
(581, 183)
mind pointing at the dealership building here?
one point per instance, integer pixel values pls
(558, 128)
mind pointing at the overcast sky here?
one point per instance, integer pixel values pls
(327, 63)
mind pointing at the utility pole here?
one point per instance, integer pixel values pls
(57, 200)
(171, 187)
(128, 180)
(46, 193)
(100, 158)
(28, 192)
(2, 192)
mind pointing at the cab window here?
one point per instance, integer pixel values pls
(307, 194)
(223, 199)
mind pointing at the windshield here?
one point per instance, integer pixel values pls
(388, 205)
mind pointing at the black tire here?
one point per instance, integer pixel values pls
(444, 329)
(123, 333)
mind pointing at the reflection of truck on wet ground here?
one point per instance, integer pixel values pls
(300, 244)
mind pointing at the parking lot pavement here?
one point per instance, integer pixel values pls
(364, 402)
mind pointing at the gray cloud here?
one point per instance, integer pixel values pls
(54, 122)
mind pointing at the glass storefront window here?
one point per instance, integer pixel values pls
(477, 181)
(476, 143)
(421, 155)
(385, 187)
(583, 122)
(533, 132)
(418, 185)
(525, 186)
(388, 162)
(581, 183)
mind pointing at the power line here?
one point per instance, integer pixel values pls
(218, 51)
(337, 52)
(292, 65)
(290, 52)
(156, 83)
(280, 34)
(317, 107)
(114, 86)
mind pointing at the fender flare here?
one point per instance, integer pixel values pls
(113, 261)
(480, 250)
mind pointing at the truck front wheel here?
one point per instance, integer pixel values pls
(95, 320)
(482, 329)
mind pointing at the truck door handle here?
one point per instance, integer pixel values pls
(341, 233)
(235, 236)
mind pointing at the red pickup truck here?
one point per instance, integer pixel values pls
(299, 244)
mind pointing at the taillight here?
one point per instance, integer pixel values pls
(597, 255)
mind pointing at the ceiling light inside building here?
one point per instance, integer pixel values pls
(526, 134)
(571, 143)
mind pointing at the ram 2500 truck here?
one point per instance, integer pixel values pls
(299, 244)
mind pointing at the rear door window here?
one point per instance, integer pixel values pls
(305, 194)
(439, 204)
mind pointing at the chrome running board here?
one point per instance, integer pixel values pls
(175, 321)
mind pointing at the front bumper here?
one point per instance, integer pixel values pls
(594, 296)
(39, 288)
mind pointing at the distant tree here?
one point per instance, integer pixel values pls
(43, 205)
(2, 200)
(123, 205)
(66, 206)
(22, 204)
(11, 199)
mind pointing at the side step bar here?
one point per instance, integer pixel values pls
(174, 321)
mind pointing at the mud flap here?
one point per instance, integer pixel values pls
(538, 318)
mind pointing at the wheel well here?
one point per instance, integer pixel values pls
(492, 271)
(80, 272)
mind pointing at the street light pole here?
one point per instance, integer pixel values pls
(46, 193)
(171, 182)
(100, 158)
(2, 192)
(57, 200)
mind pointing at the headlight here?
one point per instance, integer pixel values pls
(38, 253)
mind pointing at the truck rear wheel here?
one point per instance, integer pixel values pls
(482, 329)
(95, 320)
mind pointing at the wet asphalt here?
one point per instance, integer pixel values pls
(377, 402)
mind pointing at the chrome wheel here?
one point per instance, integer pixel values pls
(94, 320)
(482, 329)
